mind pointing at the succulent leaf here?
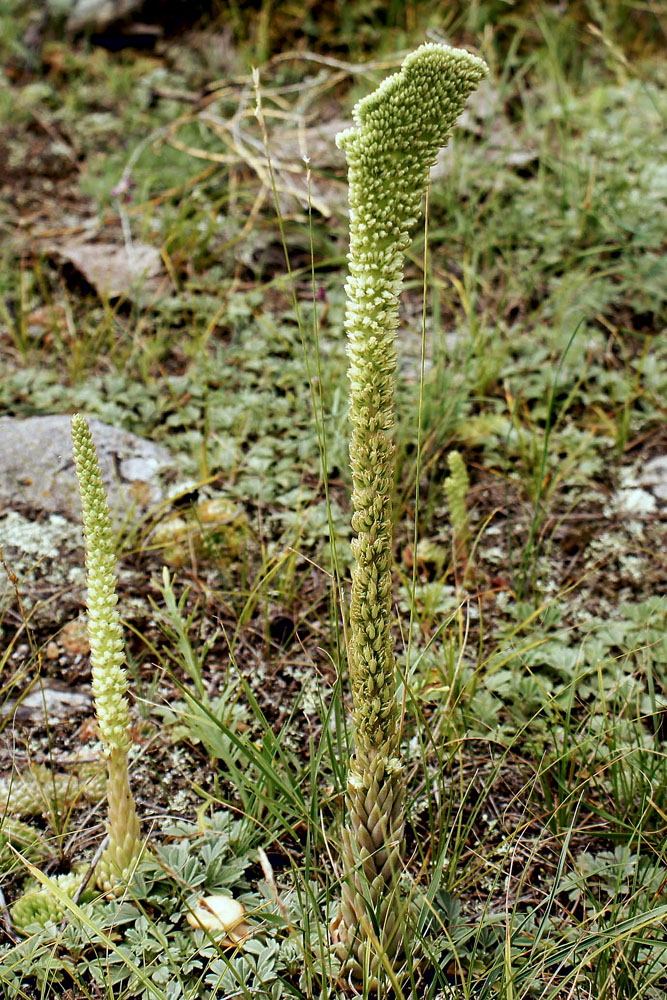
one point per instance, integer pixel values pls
(40, 791)
(39, 906)
(23, 838)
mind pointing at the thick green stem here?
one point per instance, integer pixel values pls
(125, 844)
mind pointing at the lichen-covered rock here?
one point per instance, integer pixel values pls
(653, 476)
(37, 468)
(45, 553)
(46, 557)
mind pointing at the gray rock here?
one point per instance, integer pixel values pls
(654, 477)
(114, 272)
(50, 702)
(93, 14)
(635, 503)
(37, 468)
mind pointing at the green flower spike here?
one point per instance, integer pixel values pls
(457, 486)
(107, 657)
(390, 150)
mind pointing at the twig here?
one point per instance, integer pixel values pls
(91, 868)
(6, 919)
(350, 68)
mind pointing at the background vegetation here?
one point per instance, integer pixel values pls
(532, 660)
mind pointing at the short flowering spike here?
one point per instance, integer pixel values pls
(107, 655)
(457, 485)
(390, 150)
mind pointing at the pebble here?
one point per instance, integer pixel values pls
(50, 703)
(654, 478)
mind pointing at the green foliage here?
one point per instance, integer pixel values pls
(532, 704)
(172, 960)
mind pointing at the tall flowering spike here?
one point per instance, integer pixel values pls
(390, 151)
(107, 655)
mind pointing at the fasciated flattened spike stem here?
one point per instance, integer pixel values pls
(390, 150)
